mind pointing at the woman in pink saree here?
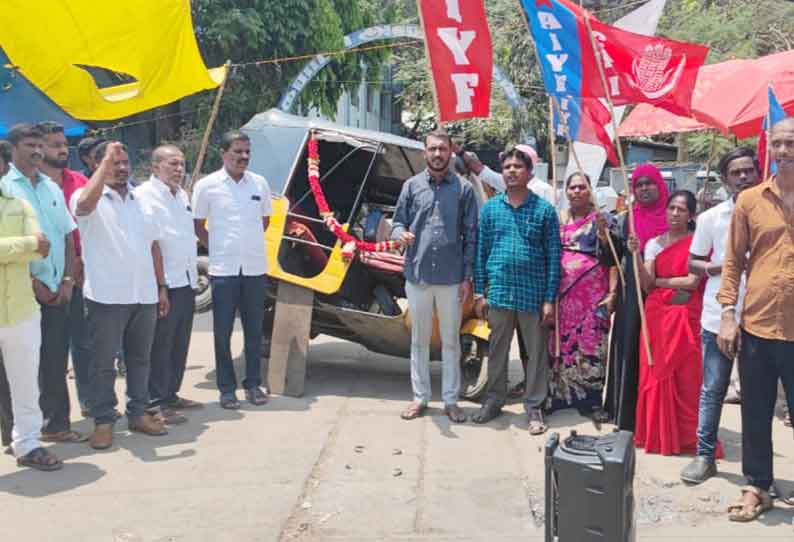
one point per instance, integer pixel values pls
(586, 300)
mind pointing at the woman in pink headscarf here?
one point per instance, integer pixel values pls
(650, 217)
(650, 207)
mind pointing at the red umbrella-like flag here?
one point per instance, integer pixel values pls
(730, 96)
(735, 100)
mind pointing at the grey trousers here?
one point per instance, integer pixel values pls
(113, 328)
(502, 323)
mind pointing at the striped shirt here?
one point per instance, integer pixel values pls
(518, 254)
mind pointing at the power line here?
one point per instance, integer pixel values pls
(327, 53)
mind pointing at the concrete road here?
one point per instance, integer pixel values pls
(339, 465)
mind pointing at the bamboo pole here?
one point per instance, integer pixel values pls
(767, 161)
(208, 130)
(553, 156)
(712, 148)
(611, 243)
(632, 229)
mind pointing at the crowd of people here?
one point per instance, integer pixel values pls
(634, 317)
(95, 265)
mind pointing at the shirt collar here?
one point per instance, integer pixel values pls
(447, 178)
(110, 193)
(227, 177)
(15, 175)
(506, 200)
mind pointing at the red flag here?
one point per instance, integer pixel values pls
(648, 69)
(637, 68)
(591, 128)
(460, 53)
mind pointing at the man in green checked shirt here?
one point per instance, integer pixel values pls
(516, 277)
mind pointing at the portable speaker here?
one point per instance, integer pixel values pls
(590, 488)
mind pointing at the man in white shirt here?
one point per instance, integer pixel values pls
(124, 291)
(236, 206)
(739, 170)
(168, 205)
(495, 181)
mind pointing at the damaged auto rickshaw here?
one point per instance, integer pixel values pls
(359, 296)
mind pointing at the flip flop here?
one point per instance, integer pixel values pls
(741, 511)
(413, 411)
(38, 459)
(64, 436)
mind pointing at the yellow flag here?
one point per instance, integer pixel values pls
(150, 42)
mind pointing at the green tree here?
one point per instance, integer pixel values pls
(246, 31)
(731, 29)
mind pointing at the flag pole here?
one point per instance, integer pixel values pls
(767, 130)
(708, 169)
(205, 140)
(632, 226)
(612, 248)
(553, 156)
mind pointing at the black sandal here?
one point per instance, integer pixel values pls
(39, 459)
(518, 391)
(487, 412)
(230, 403)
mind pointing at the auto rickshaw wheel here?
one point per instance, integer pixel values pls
(203, 291)
(473, 367)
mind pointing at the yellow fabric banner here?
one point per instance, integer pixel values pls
(151, 42)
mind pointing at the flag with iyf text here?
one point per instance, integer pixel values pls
(636, 68)
(460, 55)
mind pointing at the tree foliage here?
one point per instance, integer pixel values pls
(247, 31)
(731, 29)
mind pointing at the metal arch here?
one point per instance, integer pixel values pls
(377, 33)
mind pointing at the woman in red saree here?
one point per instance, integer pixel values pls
(669, 384)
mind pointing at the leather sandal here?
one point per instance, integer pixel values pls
(64, 436)
(147, 425)
(455, 414)
(743, 512)
(413, 411)
(537, 426)
(40, 459)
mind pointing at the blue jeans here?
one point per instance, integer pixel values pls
(762, 362)
(716, 378)
(230, 294)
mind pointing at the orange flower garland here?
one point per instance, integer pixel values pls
(350, 243)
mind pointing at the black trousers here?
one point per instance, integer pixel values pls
(170, 347)
(762, 363)
(53, 364)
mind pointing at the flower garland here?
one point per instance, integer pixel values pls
(351, 244)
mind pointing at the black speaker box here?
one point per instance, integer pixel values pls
(590, 488)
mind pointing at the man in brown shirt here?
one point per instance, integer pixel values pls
(761, 242)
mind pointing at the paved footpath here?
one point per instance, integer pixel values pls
(339, 465)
